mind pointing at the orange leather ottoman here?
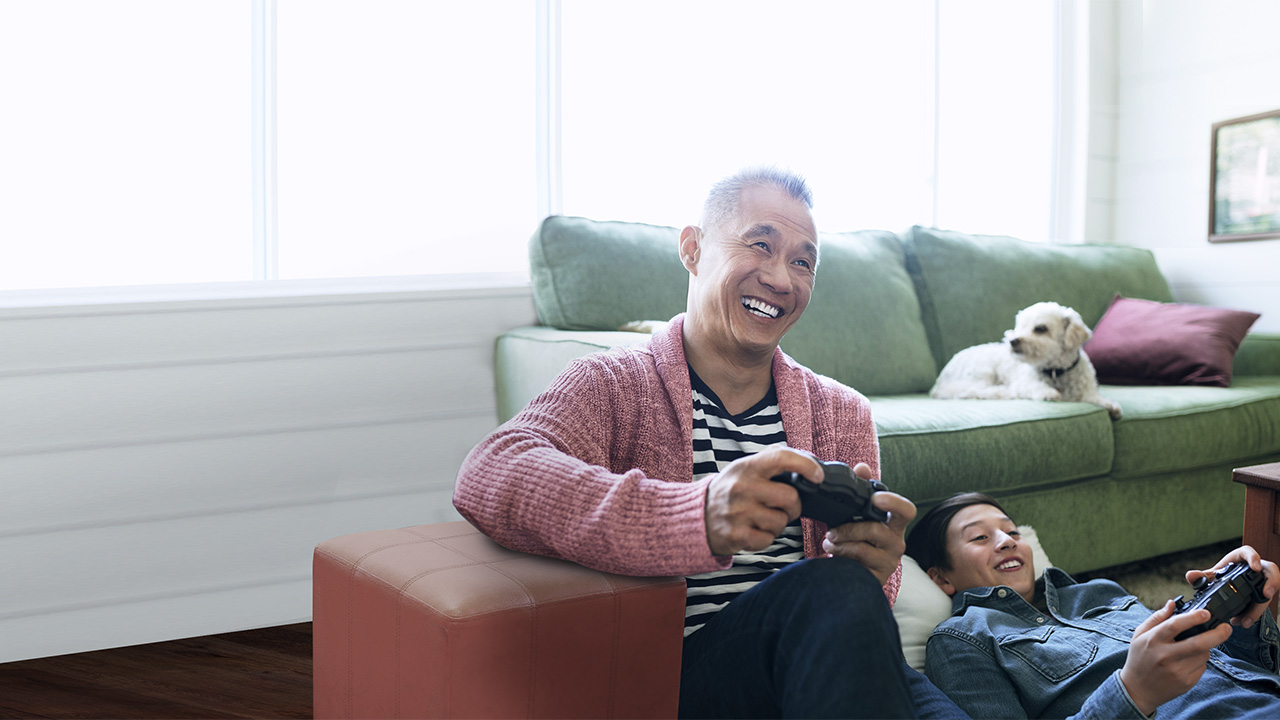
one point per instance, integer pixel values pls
(440, 621)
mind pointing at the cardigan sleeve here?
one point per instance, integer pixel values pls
(542, 482)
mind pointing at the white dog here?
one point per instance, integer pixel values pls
(1040, 359)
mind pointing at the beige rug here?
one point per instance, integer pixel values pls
(1163, 578)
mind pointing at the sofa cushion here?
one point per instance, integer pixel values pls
(863, 325)
(972, 286)
(1140, 342)
(590, 275)
(992, 446)
(1259, 354)
(1177, 428)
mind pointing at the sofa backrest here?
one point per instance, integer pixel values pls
(970, 287)
(862, 326)
(591, 275)
(888, 309)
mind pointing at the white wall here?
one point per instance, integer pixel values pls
(167, 467)
(1182, 66)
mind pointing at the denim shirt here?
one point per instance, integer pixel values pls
(997, 656)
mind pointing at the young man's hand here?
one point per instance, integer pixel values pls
(1246, 554)
(1158, 668)
(877, 545)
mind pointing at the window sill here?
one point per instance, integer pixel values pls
(266, 292)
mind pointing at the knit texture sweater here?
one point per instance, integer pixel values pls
(598, 469)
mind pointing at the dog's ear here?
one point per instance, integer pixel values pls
(1077, 333)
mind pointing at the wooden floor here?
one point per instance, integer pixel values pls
(253, 674)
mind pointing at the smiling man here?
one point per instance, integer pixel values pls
(658, 459)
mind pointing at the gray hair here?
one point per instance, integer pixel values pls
(722, 201)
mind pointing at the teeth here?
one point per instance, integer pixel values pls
(1009, 564)
(760, 308)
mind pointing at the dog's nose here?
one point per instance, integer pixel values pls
(1015, 343)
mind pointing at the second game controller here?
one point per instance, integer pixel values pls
(1233, 589)
(840, 498)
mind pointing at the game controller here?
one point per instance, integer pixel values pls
(840, 498)
(1233, 589)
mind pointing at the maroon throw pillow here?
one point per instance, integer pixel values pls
(1142, 342)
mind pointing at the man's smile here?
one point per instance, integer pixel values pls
(761, 308)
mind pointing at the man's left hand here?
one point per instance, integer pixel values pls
(877, 545)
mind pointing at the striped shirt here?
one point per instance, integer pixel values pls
(718, 439)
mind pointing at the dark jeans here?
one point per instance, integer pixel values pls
(815, 640)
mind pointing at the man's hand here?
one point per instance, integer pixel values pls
(745, 509)
(1158, 668)
(1245, 554)
(878, 546)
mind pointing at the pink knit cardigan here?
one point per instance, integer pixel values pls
(598, 468)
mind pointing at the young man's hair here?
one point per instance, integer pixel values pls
(927, 541)
(722, 201)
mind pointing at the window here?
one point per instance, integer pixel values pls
(124, 157)
(662, 98)
(405, 134)
(155, 142)
(996, 94)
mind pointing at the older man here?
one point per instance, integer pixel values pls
(658, 460)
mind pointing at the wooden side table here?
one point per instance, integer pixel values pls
(1262, 511)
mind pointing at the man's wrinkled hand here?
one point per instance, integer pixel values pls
(746, 509)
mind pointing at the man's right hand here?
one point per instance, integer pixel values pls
(1158, 668)
(746, 510)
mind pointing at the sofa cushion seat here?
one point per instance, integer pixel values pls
(993, 446)
(1178, 428)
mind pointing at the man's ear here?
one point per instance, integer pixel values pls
(941, 580)
(690, 247)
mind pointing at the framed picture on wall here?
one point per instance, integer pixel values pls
(1244, 178)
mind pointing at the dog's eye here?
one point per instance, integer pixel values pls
(1042, 329)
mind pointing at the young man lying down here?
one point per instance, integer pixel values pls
(1015, 646)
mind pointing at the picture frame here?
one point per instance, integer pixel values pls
(1244, 178)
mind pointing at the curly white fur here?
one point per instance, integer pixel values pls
(1039, 359)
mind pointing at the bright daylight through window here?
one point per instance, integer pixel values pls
(407, 136)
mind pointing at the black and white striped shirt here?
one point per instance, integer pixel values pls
(718, 439)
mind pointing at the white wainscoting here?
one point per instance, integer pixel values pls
(166, 468)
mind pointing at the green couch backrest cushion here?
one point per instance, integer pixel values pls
(862, 326)
(971, 286)
(590, 275)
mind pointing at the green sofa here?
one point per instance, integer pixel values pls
(887, 313)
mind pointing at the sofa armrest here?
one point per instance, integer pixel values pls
(1259, 354)
(440, 621)
(527, 359)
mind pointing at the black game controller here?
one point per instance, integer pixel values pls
(840, 498)
(1233, 589)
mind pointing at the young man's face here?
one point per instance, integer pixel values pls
(985, 550)
(754, 274)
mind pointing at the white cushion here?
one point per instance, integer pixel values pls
(922, 605)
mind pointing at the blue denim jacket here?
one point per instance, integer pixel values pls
(998, 656)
